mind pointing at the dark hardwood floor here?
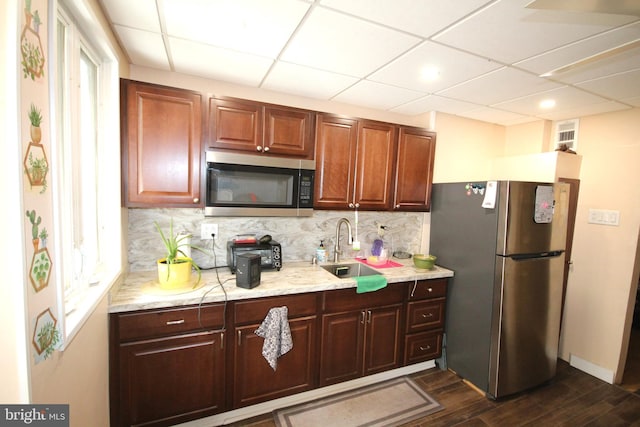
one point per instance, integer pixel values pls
(572, 399)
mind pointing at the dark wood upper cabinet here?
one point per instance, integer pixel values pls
(257, 128)
(414, 169)
(354, 163)
(289, 131)
(336, 139)
(161, 146)
(375, 165)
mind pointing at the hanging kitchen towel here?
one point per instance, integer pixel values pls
(277, 335)
(370, 283)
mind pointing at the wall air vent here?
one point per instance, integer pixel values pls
(566, 135)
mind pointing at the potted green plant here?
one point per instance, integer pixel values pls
(35, 117)
(34, 228)
(174, 270)
(48, 338)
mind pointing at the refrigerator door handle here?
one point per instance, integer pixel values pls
(522, 257)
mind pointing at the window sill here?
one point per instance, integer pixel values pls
(75, 320)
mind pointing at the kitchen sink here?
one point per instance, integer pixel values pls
(345, 271)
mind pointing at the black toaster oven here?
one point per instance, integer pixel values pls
(270, 254)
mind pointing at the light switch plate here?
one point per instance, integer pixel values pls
(604, 217)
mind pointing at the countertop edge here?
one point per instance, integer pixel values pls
(139, 290)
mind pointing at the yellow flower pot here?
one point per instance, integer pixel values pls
(174, 276)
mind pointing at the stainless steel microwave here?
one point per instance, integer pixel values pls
(258, 185)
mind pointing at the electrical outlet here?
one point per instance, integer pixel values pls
(207, 230)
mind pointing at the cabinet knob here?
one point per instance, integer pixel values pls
(397, 206)
(357, 205)
(259, 148)
(196, 200)
(430, 290)
(351, 205)
(266, 149)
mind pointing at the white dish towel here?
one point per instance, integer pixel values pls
(277, 335)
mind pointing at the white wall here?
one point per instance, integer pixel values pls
(602, 281)
(13, 325)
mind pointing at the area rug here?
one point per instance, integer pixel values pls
(389, 403)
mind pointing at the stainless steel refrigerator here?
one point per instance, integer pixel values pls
(505, 242)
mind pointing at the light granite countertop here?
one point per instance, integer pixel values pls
(139, 290)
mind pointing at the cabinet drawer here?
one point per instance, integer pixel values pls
(348, 299)
(163, 322)
(254, 311)
(422, 346)
(425, 314)
(433, 288)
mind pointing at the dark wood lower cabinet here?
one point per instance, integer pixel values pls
(169, 380)
(173, 365)
(361, 333)
(359, 343)
(254, 379)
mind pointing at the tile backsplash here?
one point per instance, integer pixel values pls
(299, 236)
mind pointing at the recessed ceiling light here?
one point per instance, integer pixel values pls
(429, 73)
(547, 103)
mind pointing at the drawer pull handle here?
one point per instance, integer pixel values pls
(362, 318)
(175, 322)
(221, 340)
(425, 348)
(368, 316)
(427, 315)
(413, 291)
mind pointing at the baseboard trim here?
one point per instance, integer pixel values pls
(265, 407)
(591, 369)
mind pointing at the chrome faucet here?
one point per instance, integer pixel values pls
(337, 251)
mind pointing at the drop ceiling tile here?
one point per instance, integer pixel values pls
(509, 32)
(584, 110)
(633, 100)
(453, 66)
(498, 86)
(434, 103)
(566, 98)
(141, 14)
(250, 26)
(218, 64)
(339, 43)
(304, 81)
(493, 115)
(579, 50)
(377, 95)
(420, 18)
(143, 47)
(617, 86)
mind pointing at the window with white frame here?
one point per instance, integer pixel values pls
(87, 186)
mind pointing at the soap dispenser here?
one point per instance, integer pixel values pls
(321, 253)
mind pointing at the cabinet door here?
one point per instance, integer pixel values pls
(254, 379)
(336, 139)
(375, 163)
(170, 380)
(414, 172)
(161, 146)
(342, 347)
(235, 124)
(288, 132)
(383, 340)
